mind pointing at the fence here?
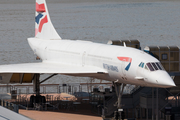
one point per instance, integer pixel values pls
(70, 88)
(10, 106)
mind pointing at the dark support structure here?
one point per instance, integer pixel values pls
(38, 99)
(152, 103)
(48, 78)
(119, 87)
(36, 84)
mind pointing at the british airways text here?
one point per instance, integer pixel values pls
(110, 67)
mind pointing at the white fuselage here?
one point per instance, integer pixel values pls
(86, 53)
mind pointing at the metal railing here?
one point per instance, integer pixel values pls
(51, 88)
(10, 106)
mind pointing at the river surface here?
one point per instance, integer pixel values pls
(152, 23)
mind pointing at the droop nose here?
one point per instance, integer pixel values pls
(164, 79)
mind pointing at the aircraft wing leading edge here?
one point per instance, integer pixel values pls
(13, 73)
(48, 68)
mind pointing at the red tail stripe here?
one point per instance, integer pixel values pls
(36, 31)
(44, 20)
(40, 7)
(127, 59)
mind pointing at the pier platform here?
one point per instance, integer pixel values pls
(59, 115)
(87, 101)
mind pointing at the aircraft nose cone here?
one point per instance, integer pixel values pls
(165, 80)
(173, 84)
(169, 83)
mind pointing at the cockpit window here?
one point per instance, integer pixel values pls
(154, 66)
(159, 66)
(150, 67)
(162, 68)
(141, 64)
(146, 67)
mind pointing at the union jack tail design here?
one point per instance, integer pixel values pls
(43, 25)
(126, 59)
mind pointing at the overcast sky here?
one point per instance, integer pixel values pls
(67, 1)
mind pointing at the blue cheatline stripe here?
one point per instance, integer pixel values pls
(128, 66)
(38, 18)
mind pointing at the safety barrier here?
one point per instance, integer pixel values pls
(10, 106)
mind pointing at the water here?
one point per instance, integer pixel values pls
(152, 23)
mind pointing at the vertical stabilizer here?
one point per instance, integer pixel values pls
(43, 26)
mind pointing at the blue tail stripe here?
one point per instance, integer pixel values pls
(38, 18)
(128, 66)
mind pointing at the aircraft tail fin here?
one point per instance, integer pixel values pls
(44, 28)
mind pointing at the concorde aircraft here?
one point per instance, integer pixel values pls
(119, 64)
